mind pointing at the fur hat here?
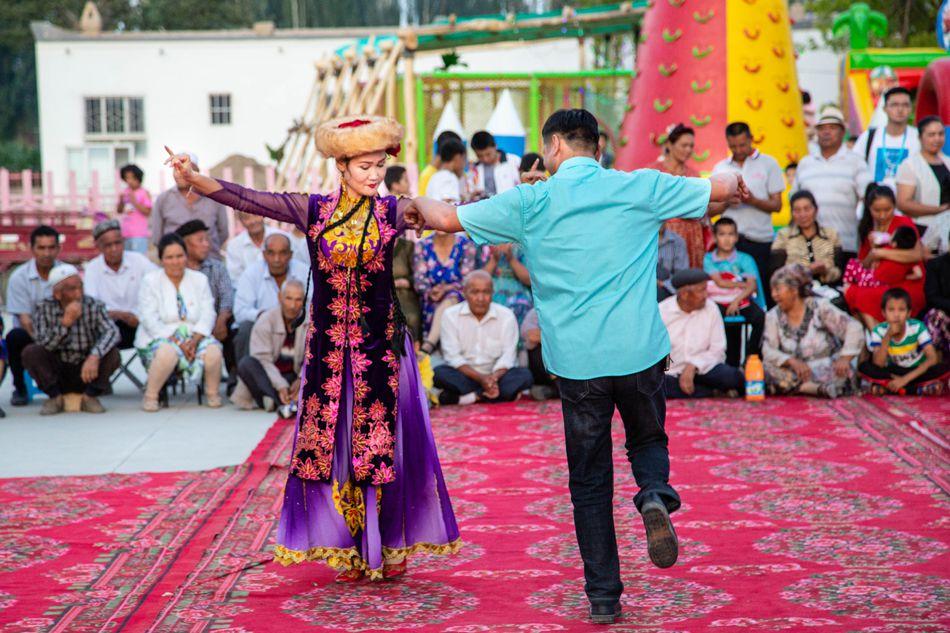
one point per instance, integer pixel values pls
(350, 136)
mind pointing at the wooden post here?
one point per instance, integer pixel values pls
(269, 178)
(409, 97)
(249, 177)
(49, 199)
(227, 174)
(26, 182)
(72, 192)
(4, 189)
(95, 198)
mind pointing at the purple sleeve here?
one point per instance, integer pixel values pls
(400, 220)
(283, 207)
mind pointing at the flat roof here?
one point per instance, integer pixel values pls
(46, 32)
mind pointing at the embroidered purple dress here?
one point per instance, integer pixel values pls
(365, 482)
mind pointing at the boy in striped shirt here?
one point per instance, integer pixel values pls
(903, 358)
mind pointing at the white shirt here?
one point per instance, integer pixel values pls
(763, 176)
(241, 251)
(887, 153)
(697, 337)
(118, 289)
(487, 345)
(445, 186)
(158, 306)
(505, 174)
(837, 183)
(257, 290)
(916, 172)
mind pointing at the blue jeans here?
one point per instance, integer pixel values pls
(722, 377)
(588, 407)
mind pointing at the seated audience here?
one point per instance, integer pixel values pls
(258, 287)
(735, 281)
(26, 288)
(75, 349)
(480, 347)
(697, 341)
(113, 277)
(875, 232)
(887, 273)
(194, 234)
(903, 358)
(134, 208)
(937, 291)
(545, 383)
(671, 258)
(446, 184)
(923, 184)
(247, 247)
(176, 311)
(440, 263)
(511, 279)
(809, 343)
(397, 182)
(807, 243)
(270, 375)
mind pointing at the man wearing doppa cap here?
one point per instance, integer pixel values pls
(75, 348)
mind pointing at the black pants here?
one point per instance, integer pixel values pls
(252, 373)
(126, 334)
(881, 375)
(17, 340)
(588, 407)
(456, 384)
(539, 373)
(761, 252)
(56, 377)
(755, 317)
(722, 377)
(242, 340)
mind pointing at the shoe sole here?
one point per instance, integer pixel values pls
(662, 544)
(604, 618)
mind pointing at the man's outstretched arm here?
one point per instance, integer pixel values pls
(430, 213)
(726, 189)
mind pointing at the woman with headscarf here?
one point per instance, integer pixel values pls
(809, 344)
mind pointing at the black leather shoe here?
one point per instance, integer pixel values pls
(19, 399)
(604, 613)
(662, 544)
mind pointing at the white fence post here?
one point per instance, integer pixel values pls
(4, 190)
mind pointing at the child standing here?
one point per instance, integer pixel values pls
(735, 279)
(903, 358)
(134, 207)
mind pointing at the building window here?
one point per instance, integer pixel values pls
(115, 116)
(220, 109)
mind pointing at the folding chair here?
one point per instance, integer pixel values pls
(125, 369)
(175, 381)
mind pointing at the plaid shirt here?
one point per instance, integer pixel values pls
(93, 333)
(220, 282)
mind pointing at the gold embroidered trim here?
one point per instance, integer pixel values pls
(347, 558)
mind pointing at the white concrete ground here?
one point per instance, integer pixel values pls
(125, 439)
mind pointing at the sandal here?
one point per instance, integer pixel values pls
(350, 575)
(394, 570)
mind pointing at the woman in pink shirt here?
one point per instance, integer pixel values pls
(133, 209)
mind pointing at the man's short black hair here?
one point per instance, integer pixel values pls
(724, 222)
(738, 128)
(577, 127)
(444, 136)
(896, 90)
(43, 231)
(131, 169)
(394, 174)
(450, 149)
(895, 294)
(482, 140)
(190, 228)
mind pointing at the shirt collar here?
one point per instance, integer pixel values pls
(467, 311)
(34, 273)
(752, 156)
(729, 258)
(577, 162)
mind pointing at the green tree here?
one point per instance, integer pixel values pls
(911, 21)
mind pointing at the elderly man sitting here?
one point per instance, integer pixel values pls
(480, 346)
(270, 376)
(697, 341)
(259, 285)
(76, 344)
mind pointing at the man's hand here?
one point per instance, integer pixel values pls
(801, 369)
(733, 308)
(71, 313)
(294, 388)
(413, 216)
(220, 330)
(489, 387)
(842, 367)
(533, 175)
(687, 380)
(90, 369)
(742, 190)
(284, 394)
(126, 317)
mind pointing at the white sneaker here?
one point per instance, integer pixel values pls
(469, 398)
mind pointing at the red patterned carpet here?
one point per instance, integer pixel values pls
(798, 515)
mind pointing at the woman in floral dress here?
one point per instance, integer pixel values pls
(440, 264)
(365, 488)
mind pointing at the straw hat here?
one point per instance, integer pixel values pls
(351, 136)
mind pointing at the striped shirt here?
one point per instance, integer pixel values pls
(92, 334)
(908, 350)
(822, 247)
(838, 184)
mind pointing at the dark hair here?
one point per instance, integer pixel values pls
(444, 136)
(895, 294)
(738, 128)
(394, 174)
(169, 239)
(871, 194)
(803, 194)
(528, 160)
(577, 127)
(904, 238)
(927, 121)
(131, 169)
(482, 140)
(806, 97)
(678, 131)
(603, 134)
(724, 222)
(896, 90)
(43, 231)
(190, 228)
(791, 165)
(450, 149)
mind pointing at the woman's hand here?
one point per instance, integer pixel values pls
(818, 268)
(181, 164)
(842, 367)
(801, 369)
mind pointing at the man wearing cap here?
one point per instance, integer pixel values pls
(247, 247)
(697, 341)
(837, 178)
(76, 344)
(113, 277)
(180, 204)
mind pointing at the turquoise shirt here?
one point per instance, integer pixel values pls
(589, 236)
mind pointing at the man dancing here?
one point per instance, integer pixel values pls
(589, 236)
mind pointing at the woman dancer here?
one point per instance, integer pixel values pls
(365, 488)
